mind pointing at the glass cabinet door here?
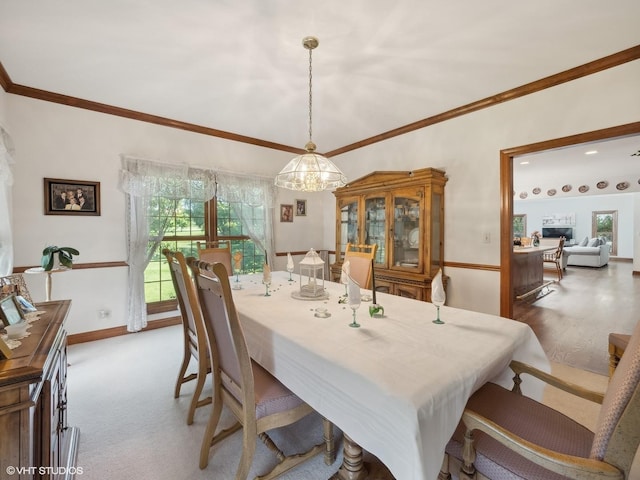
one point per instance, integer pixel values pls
(348, 224)
(375, 226)
(407, 230)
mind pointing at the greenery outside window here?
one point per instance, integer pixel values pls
(605, 224)
(520, 225)
(182, 224)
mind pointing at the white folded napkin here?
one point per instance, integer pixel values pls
(289, 262)
(353, 290)
(344, 273)
(437, 288)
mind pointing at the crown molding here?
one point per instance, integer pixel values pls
(575, 73)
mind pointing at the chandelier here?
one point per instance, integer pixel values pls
(310, 172)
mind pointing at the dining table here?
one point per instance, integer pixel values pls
(398, 384)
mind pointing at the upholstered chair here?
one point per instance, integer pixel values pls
(255, 397)
(194, 333)
(505, 435)
(216, 252)
(360, 267)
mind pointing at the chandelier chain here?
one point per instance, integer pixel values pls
(310, 96)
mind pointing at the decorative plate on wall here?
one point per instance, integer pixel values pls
(583, 188)
(566, 188)
(602, 184)
(551, 192)
(536, 190)
(523, 195)
(622, 185)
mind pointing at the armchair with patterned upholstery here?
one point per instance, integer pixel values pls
(505, 435)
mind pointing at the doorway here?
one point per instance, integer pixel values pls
(506, 197)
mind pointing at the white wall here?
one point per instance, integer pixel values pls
(583, 207)
(636, 233)
(468, 149)
(63, 142)
(60, 142)
(3, 108)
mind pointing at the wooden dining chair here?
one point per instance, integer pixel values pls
(504, 434)
(194, 332)
(360, 267)
(254, 396)
(216, 252)
(555, 257)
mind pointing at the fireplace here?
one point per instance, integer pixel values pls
(557, 232)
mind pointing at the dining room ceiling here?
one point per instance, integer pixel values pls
(240, 67)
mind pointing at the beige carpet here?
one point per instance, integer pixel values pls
(120, 395)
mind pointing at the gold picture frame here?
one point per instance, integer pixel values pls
(5, 351)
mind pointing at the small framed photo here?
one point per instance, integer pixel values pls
(5, 351)
(286, 213)
(71, 197)
(10, 311)
(301, 208)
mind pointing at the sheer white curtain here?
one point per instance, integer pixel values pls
(7, 153)
(246, 193)
(140, 180)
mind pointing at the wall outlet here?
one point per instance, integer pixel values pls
(104, 313)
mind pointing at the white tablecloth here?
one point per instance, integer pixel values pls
(396, 385)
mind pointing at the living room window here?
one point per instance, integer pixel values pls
(520, 225)
(604, 223)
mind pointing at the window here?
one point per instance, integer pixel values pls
(183, 223)
(605, 224)
(520, 225)
(229, 227)
(180, 223)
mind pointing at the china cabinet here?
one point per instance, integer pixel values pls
(403, 213)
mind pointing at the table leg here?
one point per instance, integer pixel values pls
(352, 467)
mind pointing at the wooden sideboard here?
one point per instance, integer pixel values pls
(35, 439)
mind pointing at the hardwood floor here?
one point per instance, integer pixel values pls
(573, 320)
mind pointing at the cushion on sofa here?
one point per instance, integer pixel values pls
(593, 242)
(584, 241)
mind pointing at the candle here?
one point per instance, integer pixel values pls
(373, 282)
(266, 274)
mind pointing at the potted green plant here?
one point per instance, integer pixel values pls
(65, 257)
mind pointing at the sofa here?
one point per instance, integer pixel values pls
(590, 252)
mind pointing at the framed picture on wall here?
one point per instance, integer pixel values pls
(286, 213)
(301, 208)
(71, 197)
